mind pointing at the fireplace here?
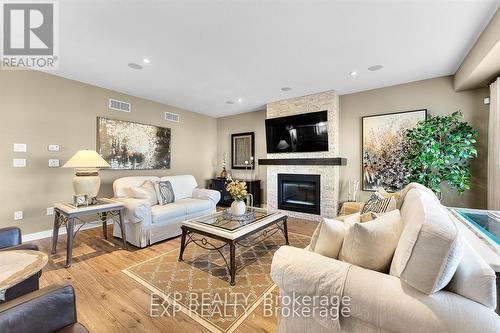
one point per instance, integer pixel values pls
(299, 193)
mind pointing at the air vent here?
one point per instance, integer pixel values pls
(119, 105)
(172, 117)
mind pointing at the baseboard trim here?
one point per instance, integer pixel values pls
(62, 231)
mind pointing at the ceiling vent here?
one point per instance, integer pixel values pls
(119, 105)
(172, 117)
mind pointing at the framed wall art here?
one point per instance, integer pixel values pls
(383, 144)
(242, 150)
(132, 146)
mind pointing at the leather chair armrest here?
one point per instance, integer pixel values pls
(26, 246)
(44, 311)
(10, 236)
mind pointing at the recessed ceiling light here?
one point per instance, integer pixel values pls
(375, 68)
(353, 73)
(229, 102)
(146, 60)
(133, 65)
(286, 89)
(239, 99)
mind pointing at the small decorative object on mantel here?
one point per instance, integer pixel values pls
(238, 191)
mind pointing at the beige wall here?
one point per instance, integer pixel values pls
(481, 65)
(241, 123)
(40, 109)
(439, 98)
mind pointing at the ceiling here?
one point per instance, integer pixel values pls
(206, 52)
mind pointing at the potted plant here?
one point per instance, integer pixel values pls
(438, 150)
(238, 191)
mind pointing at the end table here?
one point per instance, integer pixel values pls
(66, 213)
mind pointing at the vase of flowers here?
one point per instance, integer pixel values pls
(238, 191)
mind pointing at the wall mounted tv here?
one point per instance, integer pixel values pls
(306, 132)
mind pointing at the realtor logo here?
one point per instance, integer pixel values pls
(30, 35)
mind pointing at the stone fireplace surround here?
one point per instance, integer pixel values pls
(329, 174)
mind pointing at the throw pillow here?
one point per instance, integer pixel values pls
(164, 192)
(372, 244)
(146, 191)
(357, 217)
(430, 249)
(378, 204)
(327, 238)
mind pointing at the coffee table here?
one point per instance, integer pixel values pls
(231, 231)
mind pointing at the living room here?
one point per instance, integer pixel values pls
(219, 163)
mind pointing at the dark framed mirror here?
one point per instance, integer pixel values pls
(243, 150)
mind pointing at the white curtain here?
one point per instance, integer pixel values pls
(494, 147)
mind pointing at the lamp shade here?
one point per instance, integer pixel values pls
(86, 159)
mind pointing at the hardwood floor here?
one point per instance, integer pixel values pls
(110, 301)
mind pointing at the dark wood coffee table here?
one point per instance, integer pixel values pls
(230, 232)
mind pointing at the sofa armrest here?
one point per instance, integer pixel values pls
(303, 272)
(136, 210)
(379, 299)
(43, 311)
(202, 193)
(10, 236)
(388, 303)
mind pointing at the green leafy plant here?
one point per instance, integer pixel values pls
(438, 150)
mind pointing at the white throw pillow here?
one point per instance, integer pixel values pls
(146, 191)
(372, 244)
(327, 238)
(430, 249)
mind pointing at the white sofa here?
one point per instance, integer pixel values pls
(381, 302)
(146, 224)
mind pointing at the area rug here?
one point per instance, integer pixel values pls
(199, 286)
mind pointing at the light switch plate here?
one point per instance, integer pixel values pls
(53, 163)
(486, 101)
(19, 163)
(50, 211)
(20, 147)
(53, 148)
(18, 215)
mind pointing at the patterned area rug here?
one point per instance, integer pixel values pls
(199, 286)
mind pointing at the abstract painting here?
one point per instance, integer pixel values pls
(132, 146)
(383, 144)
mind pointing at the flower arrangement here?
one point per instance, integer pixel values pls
(238, 190)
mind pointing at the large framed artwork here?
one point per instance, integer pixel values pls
(132, 146)
(382, 147)
(243, 150)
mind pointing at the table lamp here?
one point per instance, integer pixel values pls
(86, 164)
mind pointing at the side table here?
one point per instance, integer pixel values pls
(66, 214)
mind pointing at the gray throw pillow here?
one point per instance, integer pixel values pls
(164, 192)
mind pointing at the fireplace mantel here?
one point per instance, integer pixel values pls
(303, 161)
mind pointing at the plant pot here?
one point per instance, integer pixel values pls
(238, 208)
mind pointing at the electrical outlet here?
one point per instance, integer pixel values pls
(19, 163)
(50, 211)
(18, 215)
(20, 147)
(53, 163)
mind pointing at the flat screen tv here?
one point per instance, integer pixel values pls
(301, 133)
